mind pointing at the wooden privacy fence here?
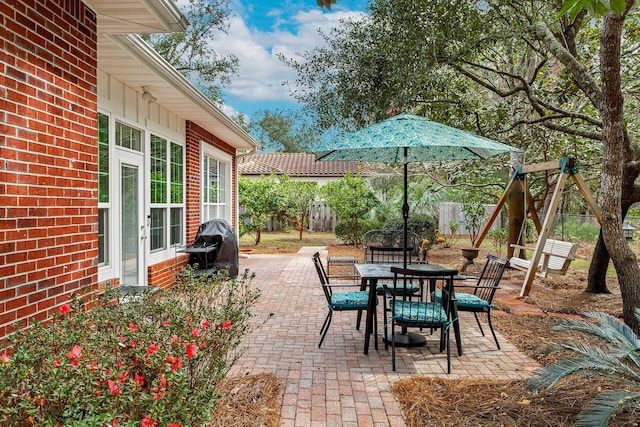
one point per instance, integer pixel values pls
(323, 220)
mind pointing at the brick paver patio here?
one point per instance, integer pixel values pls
(337, 385)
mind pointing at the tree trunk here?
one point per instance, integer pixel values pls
(515, 206)
(616, 153)
(597, 279)
(516, 217)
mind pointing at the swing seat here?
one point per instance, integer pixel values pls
(556, 257)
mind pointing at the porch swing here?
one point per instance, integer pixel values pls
(549, 256)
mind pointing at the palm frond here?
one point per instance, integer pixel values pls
(599, 411)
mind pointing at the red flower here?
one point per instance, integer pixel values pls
(139, 379)
(75, 352)
(205, 324)
(148, 422)
(191, 350)
(56, 363)
(123, 376)
(166, 322)
(133, 327)
(174, 425)
(152, 348)
(64, 309)
(176, 364)
(113, 387)
(163, 380)
(227, 325)
(114, 422)
(195, 332)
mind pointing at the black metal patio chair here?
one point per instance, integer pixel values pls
(407, 311)
(340, 301)
(480, 297)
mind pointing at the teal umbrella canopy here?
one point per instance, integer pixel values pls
(425, 141)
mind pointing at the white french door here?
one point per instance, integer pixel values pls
(133, 230)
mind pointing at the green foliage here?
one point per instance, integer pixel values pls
(352, 200)
(344, 231)
(473, 214)
(157, 357)
(262, 199)
(282, 131)
(499, 238)
(619, 362)
(423, 225)
(190, 51)
(300, 196)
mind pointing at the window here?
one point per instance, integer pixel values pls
(167, 193)
(103, 189)
(215, 188)
(128, 137)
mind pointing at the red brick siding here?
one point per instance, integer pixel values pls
(195, 134)
(48, 156)
(163, 274)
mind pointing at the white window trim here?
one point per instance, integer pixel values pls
(208, 150)
(171, 137)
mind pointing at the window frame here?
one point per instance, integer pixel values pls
(207, 150)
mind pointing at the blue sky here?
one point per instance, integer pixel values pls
(259, 30)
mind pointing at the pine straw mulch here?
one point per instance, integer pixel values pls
(486, 402)
(250, 400)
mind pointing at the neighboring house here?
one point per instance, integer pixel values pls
(301, 166)
(109, 158)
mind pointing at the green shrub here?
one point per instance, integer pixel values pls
(350, 234)
(423, 225)
(154, 359)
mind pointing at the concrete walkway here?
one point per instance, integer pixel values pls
(337, 385)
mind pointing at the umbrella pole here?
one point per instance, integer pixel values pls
(405, 211)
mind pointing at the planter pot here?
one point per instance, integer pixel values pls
(470, 253)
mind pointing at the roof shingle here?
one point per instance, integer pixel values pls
(299, 165)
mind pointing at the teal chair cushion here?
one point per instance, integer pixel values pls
(419, 312)
(354, 299)
(463, 300)
(414, 289)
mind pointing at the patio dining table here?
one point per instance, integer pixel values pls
(370, 275)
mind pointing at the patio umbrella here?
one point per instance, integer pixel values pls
(409, 138)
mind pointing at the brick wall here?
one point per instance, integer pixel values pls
(195, 134)
(48, 156)
(163, 274)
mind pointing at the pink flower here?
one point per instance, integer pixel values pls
(195, 332)
(114, 422)
(133, 327)
(113, 387)
(64, 309)
(5, 358)
(75, 352)
(139, 379)
(152, 348)
(191, 351)
(174, 338)
(227, 325)
(148, 422)
(205, 324)
(166, 322)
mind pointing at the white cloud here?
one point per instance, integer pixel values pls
(261, 73)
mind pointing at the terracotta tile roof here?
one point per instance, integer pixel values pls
(298, 165)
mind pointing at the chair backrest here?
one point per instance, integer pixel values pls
(322, 275)
(561, 254)
(418, 312)
(385, 246)
(490, 277)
